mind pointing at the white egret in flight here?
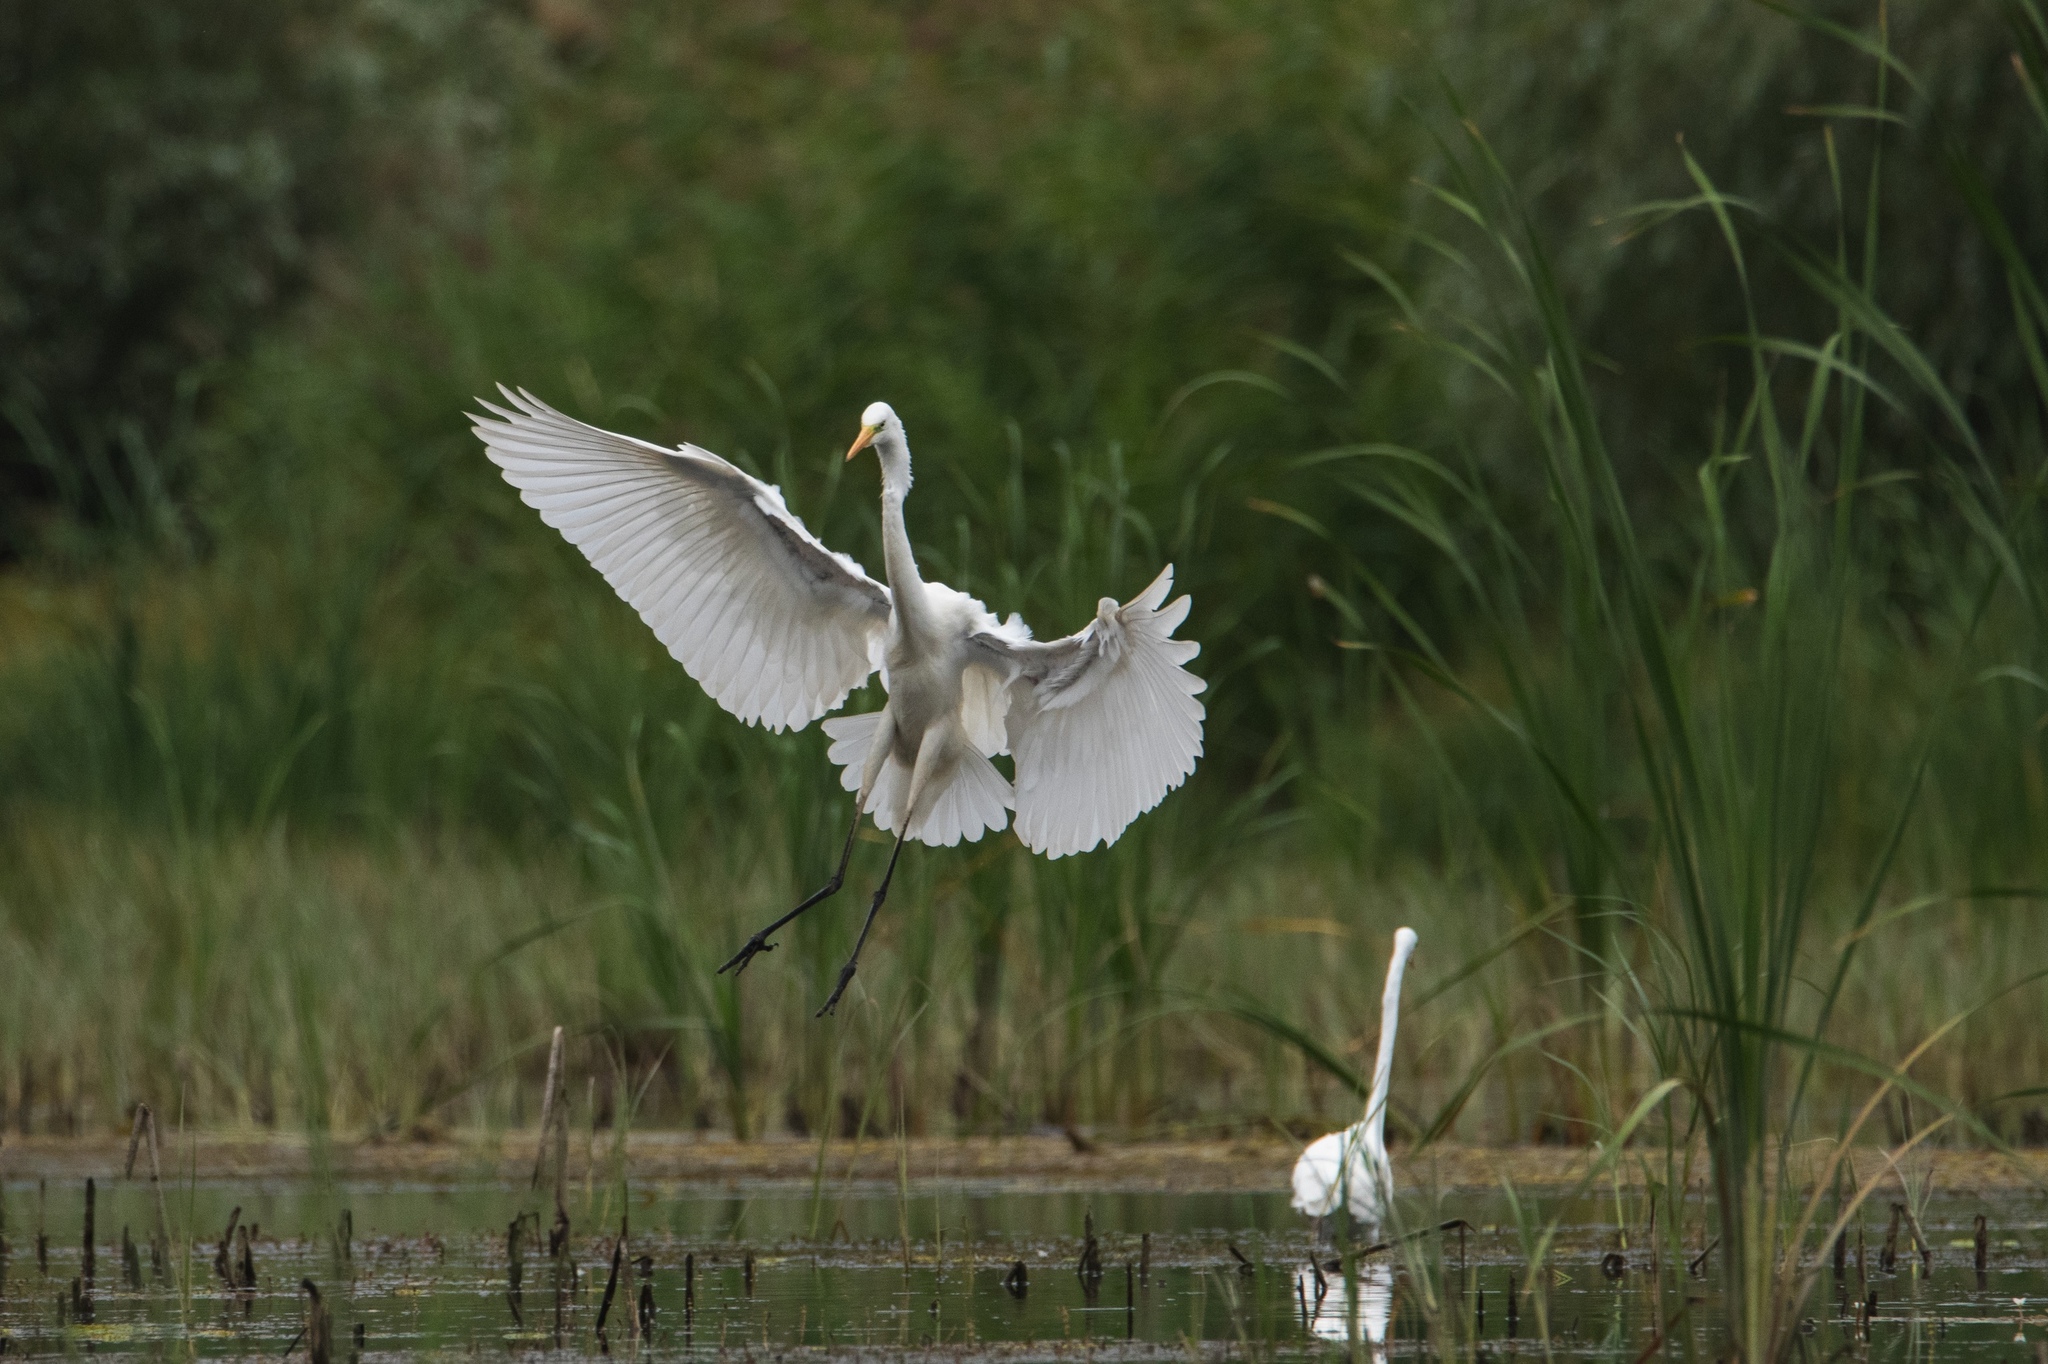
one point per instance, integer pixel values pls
(779, 629)
(1350, 1169)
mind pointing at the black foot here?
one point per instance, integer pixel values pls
(845, 979)
(758, 943)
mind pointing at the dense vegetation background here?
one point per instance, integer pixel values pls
(332, 779)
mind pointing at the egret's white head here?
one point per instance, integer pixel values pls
(881, 428)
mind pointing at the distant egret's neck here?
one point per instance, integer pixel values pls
(1383, 1065)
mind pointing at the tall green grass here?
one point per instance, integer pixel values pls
(1696, 744)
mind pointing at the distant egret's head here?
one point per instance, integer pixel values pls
(878, 418)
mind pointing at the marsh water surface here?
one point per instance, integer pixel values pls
(933, 1268)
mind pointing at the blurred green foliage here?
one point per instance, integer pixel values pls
(168, 176)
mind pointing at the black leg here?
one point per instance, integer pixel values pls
(881, 893)
(759, 942)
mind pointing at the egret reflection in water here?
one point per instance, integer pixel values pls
(1330, 1302)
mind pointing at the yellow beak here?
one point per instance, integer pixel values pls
(861, 442)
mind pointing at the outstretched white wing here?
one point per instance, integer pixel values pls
(774, 625)
(1102, 724)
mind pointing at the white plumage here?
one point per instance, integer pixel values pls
(776, 627)
(779, 630)
(1349, 1170)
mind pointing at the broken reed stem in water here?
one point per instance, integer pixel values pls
(245, 1267)
(160, 1241)
(626, 1259)
(319, 1326)
(221, 1264)
(515, 1270)
(146, 1125)
(1919, 1241)
(548, 1102)
(564, 1272)
(611, 1283)
(644, 1322)
(89, 1263)
(1089, 1268)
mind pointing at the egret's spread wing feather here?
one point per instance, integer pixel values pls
(1102, 724)
(776, 627)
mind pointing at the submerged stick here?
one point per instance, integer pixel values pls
(611, 1286)
(1457, 1224)
(1698, 1265)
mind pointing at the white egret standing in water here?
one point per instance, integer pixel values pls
(779, 629)
(1348, 1172)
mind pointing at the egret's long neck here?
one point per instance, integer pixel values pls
(906, 587)
(1383, 1066)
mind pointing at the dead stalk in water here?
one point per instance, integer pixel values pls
(548, 1104)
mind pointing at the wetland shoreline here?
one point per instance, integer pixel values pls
(1021, 1162)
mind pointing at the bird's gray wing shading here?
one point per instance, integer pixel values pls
(776, 627)
(1102, 724)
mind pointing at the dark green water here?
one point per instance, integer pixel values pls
(426, 1270)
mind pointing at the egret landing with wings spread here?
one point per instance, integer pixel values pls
(779, 630)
